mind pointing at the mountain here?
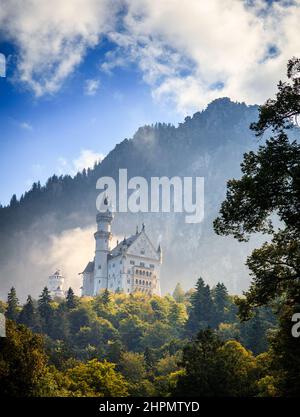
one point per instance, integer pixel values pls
(52, 226)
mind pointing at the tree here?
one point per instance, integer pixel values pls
(71, 301)
(201, 311)
(220, 301)
(270, 188)
(177, 315)
(133, 368)
(96, 379)
(178, 293)
(45, 310)
(12, 305)
(105, 298)
(214, 368)
(29, 316)
(253, 333)
(13, 202)
(23, 363)
(131, 331)
(202, 367)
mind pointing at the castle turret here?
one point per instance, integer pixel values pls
(103, 239)
(55, 285)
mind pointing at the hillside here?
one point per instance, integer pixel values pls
(62, 213)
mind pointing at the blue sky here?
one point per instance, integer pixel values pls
(84, 74)
(46, 135)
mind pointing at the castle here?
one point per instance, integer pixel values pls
(55, 285)
(132, 265)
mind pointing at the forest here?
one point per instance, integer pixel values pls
(203, 342)
(137, 345)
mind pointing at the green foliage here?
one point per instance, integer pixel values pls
(23, 363)
(268, 195)
(71, 300)
(220, 297)
(96, 379)
(215, 368)
(29, 315)
(45, 311)
(12, 305)
(277, 114)
(133, 367)
(178, 293)
(137, 338)
(201, 314)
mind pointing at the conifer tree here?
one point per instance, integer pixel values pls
(201, 314)
(105, 298)
(12, 305)
(45, 310)
(71, 301)
(220, 301)
(178, 293)
(29, 316)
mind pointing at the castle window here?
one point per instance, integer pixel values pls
(147, 273)
(99, 266)
(136, 281)
(143, 272)
(132, 263)
(140, 281)
(128, 281)
(142, 252)
(142, 264)
(151, 266)
(143, 282)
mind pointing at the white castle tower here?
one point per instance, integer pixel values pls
(103, 238)
(55, 284)
(132, 265)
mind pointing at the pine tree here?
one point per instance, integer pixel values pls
(12, 305)
(178, 293)
(45, 310)
(105, 298)
(71, 299)
(29, 315)
(220, 301)
(201, 313)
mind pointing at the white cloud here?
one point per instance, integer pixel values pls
(52, 37)
(188, 52)
(91, 87)
(26, 126)
(86, 159)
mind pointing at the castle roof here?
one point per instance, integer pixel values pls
(89, 268)
(116, 251)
